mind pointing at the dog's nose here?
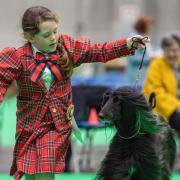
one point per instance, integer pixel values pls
(101, 115)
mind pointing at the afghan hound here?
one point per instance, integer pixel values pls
(143, 147)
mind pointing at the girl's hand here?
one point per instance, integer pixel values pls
(76, 131)
(137, 42)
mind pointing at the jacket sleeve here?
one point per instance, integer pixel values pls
(166, 102)
(83, 51)
(10, 68)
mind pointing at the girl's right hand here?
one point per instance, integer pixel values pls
(137, 42)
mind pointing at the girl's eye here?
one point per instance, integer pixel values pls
(46, 36)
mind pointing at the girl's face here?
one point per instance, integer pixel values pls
(47, 38)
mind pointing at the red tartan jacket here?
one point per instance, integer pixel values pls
(33, 99)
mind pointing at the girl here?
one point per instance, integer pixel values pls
(42, 68)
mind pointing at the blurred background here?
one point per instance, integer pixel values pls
(101, 21)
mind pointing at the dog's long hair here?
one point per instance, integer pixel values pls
(143, 147)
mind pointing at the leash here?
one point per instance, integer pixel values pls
(135, 42)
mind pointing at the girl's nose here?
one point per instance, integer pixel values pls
(53, 37)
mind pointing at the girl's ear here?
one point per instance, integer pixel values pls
(29, 37)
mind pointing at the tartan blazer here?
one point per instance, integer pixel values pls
(33, 98)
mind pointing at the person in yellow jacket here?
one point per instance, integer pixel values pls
(163, 79)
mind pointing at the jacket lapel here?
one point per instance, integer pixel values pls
(29, 62)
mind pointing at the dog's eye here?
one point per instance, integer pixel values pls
(106, 96)
(115, 100)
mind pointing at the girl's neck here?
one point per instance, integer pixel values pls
(35, 49)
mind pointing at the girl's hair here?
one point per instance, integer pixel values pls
(33, 16)
(31, 20)
(169, 41)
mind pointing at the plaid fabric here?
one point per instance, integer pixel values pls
(40, 152)
(42, 61)
(35, 103)
(83, 51)
(8, 69)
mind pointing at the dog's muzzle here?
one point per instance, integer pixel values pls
(103, 118)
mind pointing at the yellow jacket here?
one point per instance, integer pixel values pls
(161, 80)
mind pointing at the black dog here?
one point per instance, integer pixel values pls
(143, 147)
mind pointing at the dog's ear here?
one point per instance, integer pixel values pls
(118, 103)
(128, 110)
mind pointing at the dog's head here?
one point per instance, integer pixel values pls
(121, 105)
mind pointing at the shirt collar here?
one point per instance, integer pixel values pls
(35, 50)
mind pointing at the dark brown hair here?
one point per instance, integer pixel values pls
(143, 23)
(31, 20)
(169, 41)
(33, 16)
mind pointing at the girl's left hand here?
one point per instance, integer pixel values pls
(137, 42)
(76, 131)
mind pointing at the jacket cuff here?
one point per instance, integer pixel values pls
(124, 49)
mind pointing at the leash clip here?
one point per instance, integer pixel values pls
(69, 113)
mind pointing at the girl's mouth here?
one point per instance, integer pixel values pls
(54, 44)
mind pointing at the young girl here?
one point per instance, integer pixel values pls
(42, 68)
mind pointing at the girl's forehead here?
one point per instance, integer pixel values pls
(48, 26)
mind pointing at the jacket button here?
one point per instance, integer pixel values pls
(54, 110)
